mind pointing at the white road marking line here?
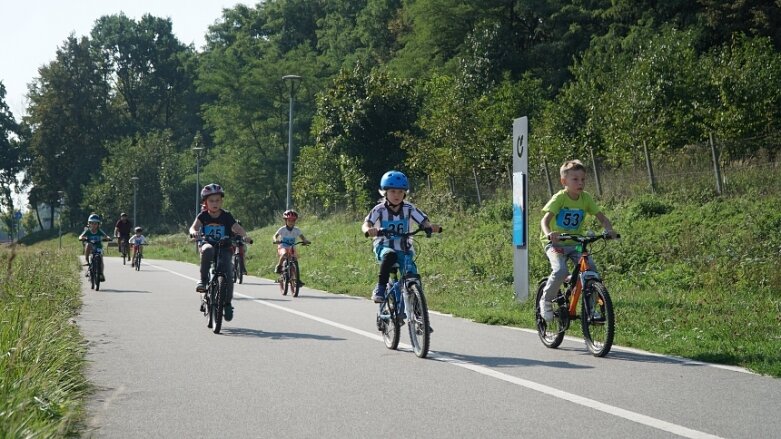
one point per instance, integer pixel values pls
(551, 391)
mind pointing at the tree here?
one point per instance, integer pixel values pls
(10, 154)
(66, 126)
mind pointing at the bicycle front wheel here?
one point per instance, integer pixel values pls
(417, 316)
(238, 268)
(551, 333)
(137, 261)
(388, 322)
(219, 291)
(92, 275)
(597, 318)
(295, 284)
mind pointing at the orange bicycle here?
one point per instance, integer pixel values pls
(596, 314)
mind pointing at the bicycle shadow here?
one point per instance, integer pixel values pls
(251, 332)
(112, 290)
(497, 362)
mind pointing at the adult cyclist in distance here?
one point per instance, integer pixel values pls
(122, 230)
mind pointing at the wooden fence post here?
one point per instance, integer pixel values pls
(477, 186)
(716, 169)
(596, 172)
(649, 167)
(547, 176)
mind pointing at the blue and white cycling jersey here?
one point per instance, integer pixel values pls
(381, 216)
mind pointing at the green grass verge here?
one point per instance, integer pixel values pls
(42, 383)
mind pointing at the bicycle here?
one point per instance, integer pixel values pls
(95, 264)
(290, 276)
(238, 260)
(123, 245)
(137, 256)
(597, 319)
(213, 301)
(405, 292)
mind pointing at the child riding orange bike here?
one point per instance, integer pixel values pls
(568, 208)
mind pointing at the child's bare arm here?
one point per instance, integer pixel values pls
(545, 225)
(606, 224)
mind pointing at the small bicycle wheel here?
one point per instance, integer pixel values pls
(219, 291)
(388, 322)
(91, 271)
(137, 261)
(295, 279)
(285, 279)
(235, 269)
(551, 333)
(239, 268)
(122, 251)
(98, 271)
(417, 315)
(597, 318)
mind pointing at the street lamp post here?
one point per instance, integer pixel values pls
(197, 150)
(135, 189)
(291, 81)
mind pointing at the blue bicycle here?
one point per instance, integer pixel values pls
(405, 301)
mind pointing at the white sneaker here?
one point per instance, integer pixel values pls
(546, 310)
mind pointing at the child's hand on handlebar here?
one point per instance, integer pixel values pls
(372, 231)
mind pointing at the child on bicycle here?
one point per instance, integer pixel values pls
(136, 242)
(565, 212)
(213, 223)
(285, 238)
(392, 213)
(93, 236)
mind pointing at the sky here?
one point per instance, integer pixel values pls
(32, 30)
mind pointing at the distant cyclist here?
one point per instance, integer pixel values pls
(122, 230)
(136, 242)
(286, 237)
(215, 223)
(93, 237)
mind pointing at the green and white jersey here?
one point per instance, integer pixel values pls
(569, 214)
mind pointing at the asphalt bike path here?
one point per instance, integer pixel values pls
(315, 366)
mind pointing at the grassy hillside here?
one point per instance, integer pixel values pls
(692, 276)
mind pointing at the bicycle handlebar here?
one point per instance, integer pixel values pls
(586, 239)
(294, 244)
(390, 233)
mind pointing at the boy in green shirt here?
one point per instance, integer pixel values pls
(565, 213)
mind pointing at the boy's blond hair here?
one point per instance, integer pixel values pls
(571, 165)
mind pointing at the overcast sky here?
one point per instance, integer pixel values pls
(32, 30)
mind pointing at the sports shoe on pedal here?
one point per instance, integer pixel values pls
(597, 316)
(228, 312)
(546, 310)
(278, 269)
(102, 278)
(200, 287)
(378, 295)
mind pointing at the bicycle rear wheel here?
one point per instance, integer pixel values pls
(551, 333)
(388, 321)
(597, 318)
(219, 291)
(417, 316)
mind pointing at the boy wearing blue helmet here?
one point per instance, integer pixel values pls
(392, 213)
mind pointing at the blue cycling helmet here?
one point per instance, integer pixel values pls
(94, 218)
(394, 180)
